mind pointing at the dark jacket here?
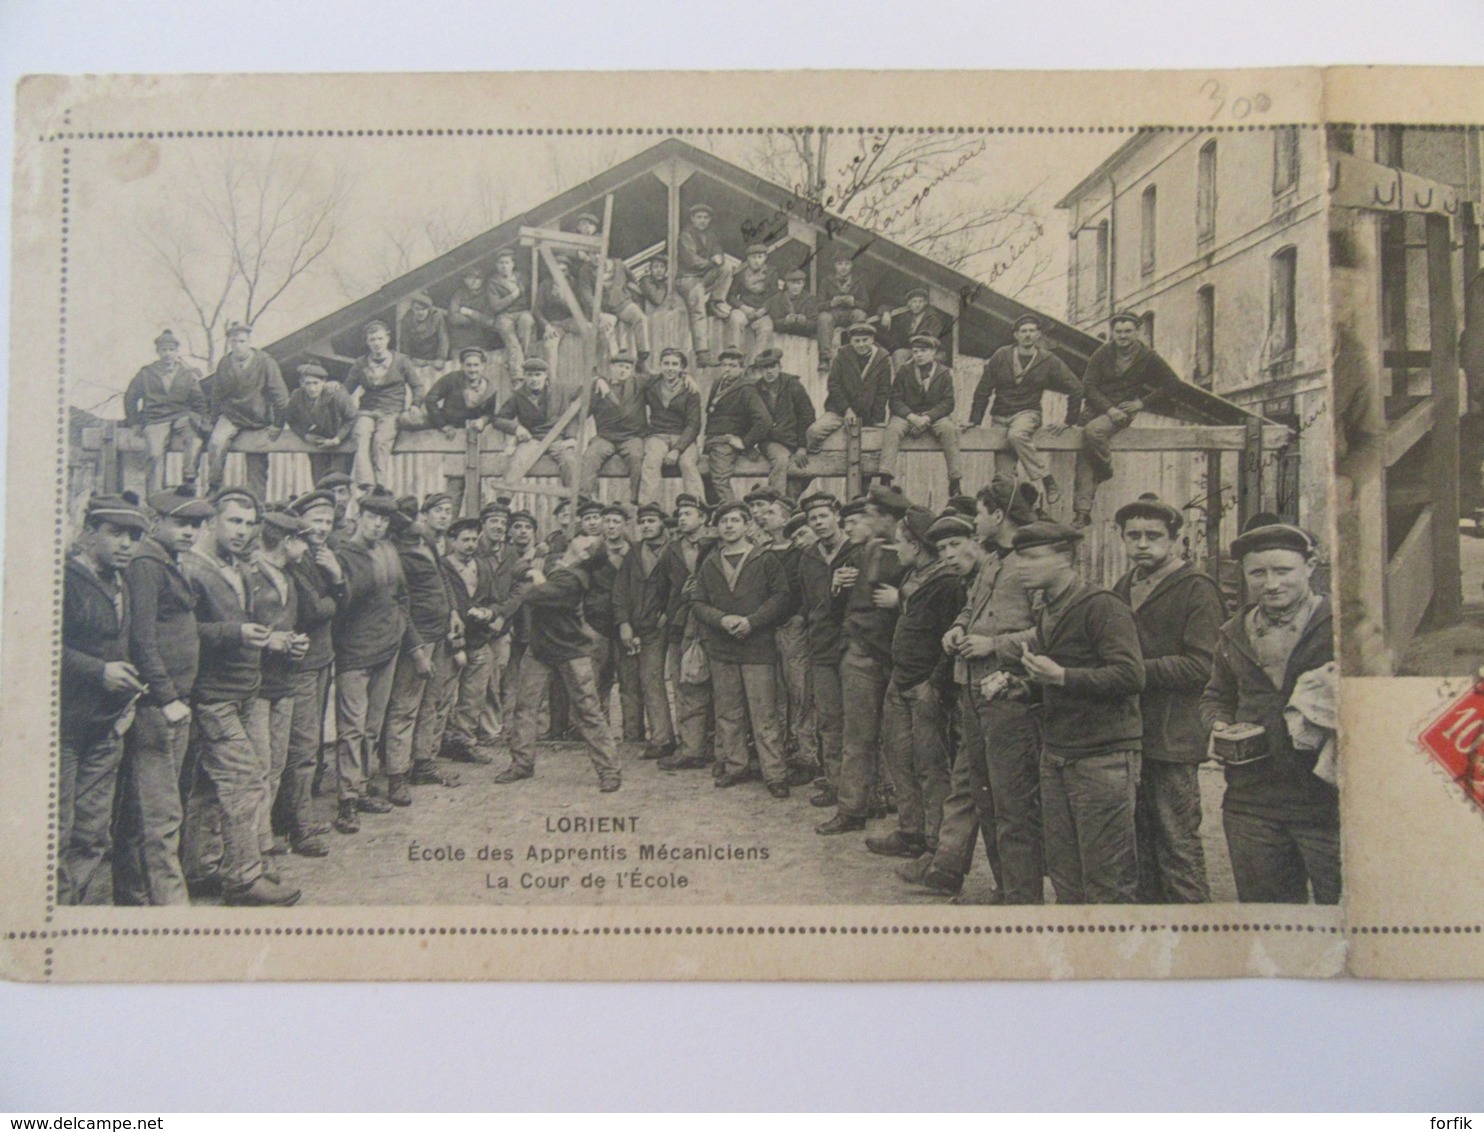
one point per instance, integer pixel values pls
(229, 670)
(1282, 787)
(319, 599)
(332, 414)
(597, 606)
(476, 329)
(551, 306)
(163, 642)
(737, 409)
(508, 296)
(390, 394)
(93, 634)
(425, 341)
(448, 406)
(862, 384)
(157, 394)
(1012, 396)
(616, 279)
(635, 601)
(372, 621)
(931, 599)
(792, 315)
(557, 631)
(476, 631)
(910, 395)
(842, 298)
(278, 613)
(760, 595)
(680, 417)
(868, 628)
(619, 415)
(754, 292)
(1178, 623)
(1148, 378)
(696, 248)
(933, 321)
(668, 583)
(790, 407)
(537, 412)
(823, 608)
(429, 600)
(250, 395)
(1096, 711)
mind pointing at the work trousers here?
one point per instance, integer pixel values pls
(374, 434)
(968, 811)
(1094, 459)
(417, 710)
(146, 853)
(821, 329)
(824, 427)
(582, 693)
(1277, 862)
(517, 330)
(744, 692)
(756, 325)
(1167, 821)
(796, 716)
(693, 709)
(231, 755)
(635, 328)
(85, 793)
(563, 453)
(697, 290)
(504, 671)
(471, 692)
(829, 709)
(918, 757)
(782, 477)
(652, 466)
(1088, 808)
(1020, 434)
(863, 683)
(361, 696)
(157, 438)
(294, 809)
(598, 451)
(217, 447)
(612, 665)
(322, 464)
(280, 714)
(660, 728)
(945, 429)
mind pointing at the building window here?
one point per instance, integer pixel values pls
(1148, 208)
(1102, 263)
(1146, 328)
(1205, 194)
(1285, 159)
(1282, 306)
(1205, 336)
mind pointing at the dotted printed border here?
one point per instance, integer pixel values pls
(71, 137)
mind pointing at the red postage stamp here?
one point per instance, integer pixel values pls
(1454, 740)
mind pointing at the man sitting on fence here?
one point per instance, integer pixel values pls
(322, 415)
(844, 298)
(423, 336)
(471, 322)
(753, 288)
(464, 398)
(674, 409)
(651, 285)
(246, 394)
(705, 278)
(1011, 389)
(555, 318)
(858, 388)
(922, 402)
(618, 307)
(794, 311)
(619, 417)
(900, 326)
(165, 402)
(793, 413)
(508, 294)
(736, 421)
(530, 415)
(389, 385)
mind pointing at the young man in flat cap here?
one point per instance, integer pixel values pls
(471, 321)
(844, 297)
(652, 285)
(423, 335)
(369, 630)
(321, 413)
(99, 687)
(465, 398)
(870, 599)
(1179, 612)
(737, 421)
(824, 611)
(1083, 661)
(1122, 379)
(741, 597)
(917, 319)
(1282, 819)
(221, 842)
(1011, 390)
(245, 394)
(672, 435)
(389, 384)
(620, 420)
(641, 626)
(671, 593)
(560, 646)
(794, 311)
(471, 579)
(918, 697)
(508, 295)
(533, 411)
(771, 513)
(994, 783)
(704, 277)
(619, 307)
(921, 402)
(436, 517)
(164, 403)
(786, 446)
(753, 288)
(612, 663)
(858, 388)
(165, 649)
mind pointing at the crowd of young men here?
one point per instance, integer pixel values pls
(993, 693)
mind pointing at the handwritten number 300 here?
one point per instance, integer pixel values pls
(1241, 107)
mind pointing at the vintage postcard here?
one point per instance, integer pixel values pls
(779, 526)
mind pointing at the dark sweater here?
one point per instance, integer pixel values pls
(1010, 396)
(279, 669)
(163, 642)
(790, 407)
(1178, 623)
(557, 631)
(760, 595)
(331, 414)
(635, 601)
(1148, 379)
(538, 412)
(476, 632)
(736, 409)
(931, 599)
(229, 670)
(792, 315)
(476, 329)
(159, 394)
(319, 599)
(619, 415)
(372, 621)
(250, 394)
(429, 602)
(867, 627)
(680, 417)
(1284, 786)
(824, 609)
(389, 394)
(668, 583)
(935, 399)
(425, 341)
(448, 403)
(93, 634)
(597, 606)
(1096, 712)
(862, 384)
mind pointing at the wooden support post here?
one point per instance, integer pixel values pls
(564, 288)
(109, 459)
(1215, 509)
(672, 219)
(1469, 233)
(591, 352)
(1443, 332)
(473, 492)
(1249, 468)
(852, 459)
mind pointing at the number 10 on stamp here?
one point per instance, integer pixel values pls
(1455, 739)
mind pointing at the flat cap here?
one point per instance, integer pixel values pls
(674, 352)
(650, 509)
(730, 353)
(861, 330)
(856, 506)
(376, 324)
(180, 503)
(622, 360)
(758, 249)
(589, 507)
(285, 521)
(1150, 506)
(797, 275)
(918, 521)
(685, 499)
(616, 508)
(918, 291)
(459, 526)
(535, 365)
(122, 510)
(1125, 316)
(925, 340)
(237, 495)
(235, 328)
(495, 508)
(950, 525)
(1027, 320)
(769, 357)
(379, 501)
(762, 493)
(889, 498)
(420, 297)
(1274, 536)
(333, 479)
(436, 499)
(700, 206)
(1045, 533)
(312, 499)
(591, 218)
(505, 253)
(167, 338)
(728, 507)
(312, 369)
(472, 352)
